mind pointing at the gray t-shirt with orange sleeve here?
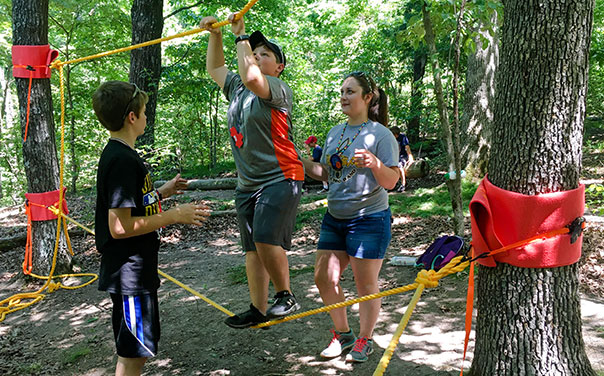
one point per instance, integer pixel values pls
(261, 134)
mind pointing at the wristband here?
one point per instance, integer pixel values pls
(159, 195)
(241, 37)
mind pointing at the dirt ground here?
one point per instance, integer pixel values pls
(68, 332)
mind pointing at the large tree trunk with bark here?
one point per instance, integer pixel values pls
(479, 102)
(30, 27)
(529, 320)
(145, 63)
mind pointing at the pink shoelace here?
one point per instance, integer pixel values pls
(360, 344)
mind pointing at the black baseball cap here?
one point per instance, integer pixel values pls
(257, 38)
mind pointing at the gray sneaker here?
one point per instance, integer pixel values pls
(363, 347)
(339, 343)
(285, 304)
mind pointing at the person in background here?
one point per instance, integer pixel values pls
(269, 168)
(405, 157)
(316, 153)
(360, 160)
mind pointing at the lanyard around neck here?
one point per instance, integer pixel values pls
(339, 149)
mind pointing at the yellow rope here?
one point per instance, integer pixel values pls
(428, 278)
(383, 364)
(425, 278)
(13, 303)
(216, 305)
(240, 14)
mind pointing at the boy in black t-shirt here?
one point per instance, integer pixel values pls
(128, 213)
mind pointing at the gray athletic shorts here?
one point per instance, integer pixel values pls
(268, 215)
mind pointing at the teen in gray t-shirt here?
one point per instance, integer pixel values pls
(360, 160)
(269, 167)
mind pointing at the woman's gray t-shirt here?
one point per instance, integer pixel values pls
(353, 191)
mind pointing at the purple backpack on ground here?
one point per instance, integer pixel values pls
(440, 252)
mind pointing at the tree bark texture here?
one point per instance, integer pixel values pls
(479, 103)
(415, 107)
(30, 27)
(145, 63)
(529, 320)
(454, 186)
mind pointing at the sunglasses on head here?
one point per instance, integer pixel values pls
(136, 91)
(363, 75)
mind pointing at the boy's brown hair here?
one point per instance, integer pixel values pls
(114, 100)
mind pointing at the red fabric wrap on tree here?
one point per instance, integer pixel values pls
(501, 217)
(39, 202)
(38, 57)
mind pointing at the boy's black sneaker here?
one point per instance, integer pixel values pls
(285, 304)
(246, 319)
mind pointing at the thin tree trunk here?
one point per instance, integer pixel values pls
(30, 27)
(415, 108)
(454, 185)
(529, 320)
(145, 63)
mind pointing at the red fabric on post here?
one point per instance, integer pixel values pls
(39, 202)
(501, 217)
(39, 57)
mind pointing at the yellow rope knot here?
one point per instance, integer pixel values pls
(53, 286)
(55, 64)
(428, 278)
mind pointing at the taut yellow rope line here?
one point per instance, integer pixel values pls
(240, 14)
(426, 277)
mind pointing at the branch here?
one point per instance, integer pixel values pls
(183, 8)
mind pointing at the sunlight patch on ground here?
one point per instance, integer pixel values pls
(421, 346)
(79, 316)
(401, 220)
(221, 242)
(335, 364)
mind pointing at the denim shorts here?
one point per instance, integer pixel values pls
(268, 215)
(365, 237)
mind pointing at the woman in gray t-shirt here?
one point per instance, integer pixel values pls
(360, 161)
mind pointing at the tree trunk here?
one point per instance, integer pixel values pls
(30, 27)
(145, 63)
(529, 320)
(454, 185)
(207, 184)
(479, 102)
(415, 107)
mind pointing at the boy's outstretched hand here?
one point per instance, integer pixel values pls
(192, 214)
(173, 187)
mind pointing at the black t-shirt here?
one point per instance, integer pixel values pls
(128, 266)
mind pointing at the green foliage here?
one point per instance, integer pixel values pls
(595, 94)
(429, 202)
(309, 216)
(323, 41)
(593, 137)
(594, 198)
(73, 354)
(30, 369)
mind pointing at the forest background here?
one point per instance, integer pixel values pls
(323, 41)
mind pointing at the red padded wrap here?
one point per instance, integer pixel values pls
(39, 202)
(501, 217)
(39, 57)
